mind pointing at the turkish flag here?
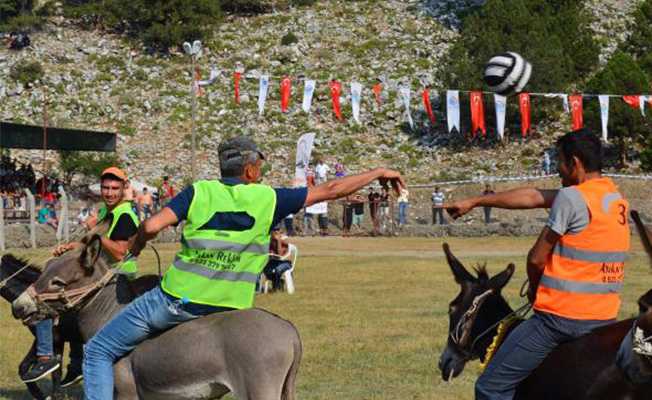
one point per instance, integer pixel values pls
(336, 88)
(576, 108)
(237, 76)
(198, 85)
(426, 102)
(525, 106)
(286, 85)
(477, 114)
(377, 90)
(633, 101)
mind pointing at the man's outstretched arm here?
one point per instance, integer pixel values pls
(515, 199)
(151, 227)
(338, 188)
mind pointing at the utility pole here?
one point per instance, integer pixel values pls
(194, 51)
(45, 137)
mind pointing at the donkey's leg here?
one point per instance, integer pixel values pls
(254, 386)
(124, 381)
(56, 375)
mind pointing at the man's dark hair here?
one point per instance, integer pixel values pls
(583, 145)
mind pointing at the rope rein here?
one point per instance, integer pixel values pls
(642, 345)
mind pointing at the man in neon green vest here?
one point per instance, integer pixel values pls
(224, 248)
(123, 224)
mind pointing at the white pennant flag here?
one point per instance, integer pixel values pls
(563, 97)
(500, 103)
(308, 91)
(604, 113)
(214, 74)
(356, 95)
(304, 149)
(262, 93)
(641, 101)
(405, 96)
(453, 110)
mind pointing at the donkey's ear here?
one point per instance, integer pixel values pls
(499, 281)
(643, 233)
(461, 274)
(91, 252)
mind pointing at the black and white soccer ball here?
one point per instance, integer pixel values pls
(507, 73)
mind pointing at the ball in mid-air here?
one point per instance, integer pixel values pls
(507, 73)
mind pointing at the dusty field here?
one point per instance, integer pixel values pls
(371, 313)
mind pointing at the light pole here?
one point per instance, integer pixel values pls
(194, 51)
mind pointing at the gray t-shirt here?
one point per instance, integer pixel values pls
(569, 213)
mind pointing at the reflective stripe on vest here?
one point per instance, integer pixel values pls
(221, 267)
(583, 276)
(129, 268)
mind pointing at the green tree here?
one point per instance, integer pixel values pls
(639, 44)
(86, 165)
(621, 75)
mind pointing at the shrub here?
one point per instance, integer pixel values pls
(26, 72)
(289, 38)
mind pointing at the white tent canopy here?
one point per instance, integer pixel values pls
(95, 188)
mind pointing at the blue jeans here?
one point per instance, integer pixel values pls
(43, 330)
(524, 349)
(402, 213)
(151, 313)
(274, 270)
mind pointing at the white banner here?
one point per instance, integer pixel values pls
(604, 113)
(563, 97)
(405, 96)
(308, 91)
(214, 74)
(453, 110)
(500, 103)
(641, 101)
(262, 93)
(304, 148)
(319, 208)
(356, 96)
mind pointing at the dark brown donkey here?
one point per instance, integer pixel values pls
(251, 353)
(579, 370)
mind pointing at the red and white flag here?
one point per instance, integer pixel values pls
(286, 85)
(377, 90)
(636, 102)
(576, 108)
(336, 88)
(426, 102)
(525, 107)
(477, 114)
(237, 76)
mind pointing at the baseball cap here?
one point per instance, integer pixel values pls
(117, 172)
(238, 146)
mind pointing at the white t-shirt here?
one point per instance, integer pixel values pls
(322, 170)
(319, 208)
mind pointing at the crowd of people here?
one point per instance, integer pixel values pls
(15, 178)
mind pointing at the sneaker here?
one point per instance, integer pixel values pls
(73, 375)
(42, 368)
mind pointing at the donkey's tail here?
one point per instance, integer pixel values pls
(289, 385)
(643, 233)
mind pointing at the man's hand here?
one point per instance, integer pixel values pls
(63, 248)
(459, 208)
(394, 178)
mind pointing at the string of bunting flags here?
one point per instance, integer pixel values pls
(572, 103)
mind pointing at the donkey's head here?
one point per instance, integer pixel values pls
(472, 314)
(61, 283)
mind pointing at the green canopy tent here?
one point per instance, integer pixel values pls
(19, 136)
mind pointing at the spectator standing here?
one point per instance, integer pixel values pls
(321, 211)
(130, 197)
(358, 213)
(289, 225)
(339, 169)
(310, 175)
(322, 171)
(545, 164)
(384, 209)
(145, 204)
(166, 192)
(487, 210)
(348, 214)
(437, 199)
(403, 200)
(374, 199)
(308, 228)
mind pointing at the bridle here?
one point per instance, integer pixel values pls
(641, 345)
(71, 298)
(461, 334)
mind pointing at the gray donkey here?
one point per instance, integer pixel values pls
(251, 352)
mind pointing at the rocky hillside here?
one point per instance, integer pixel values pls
(99, 81)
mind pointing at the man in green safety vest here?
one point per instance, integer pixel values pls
(123, 225)
(224, 248)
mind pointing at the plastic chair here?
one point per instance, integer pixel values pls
(292, 253)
